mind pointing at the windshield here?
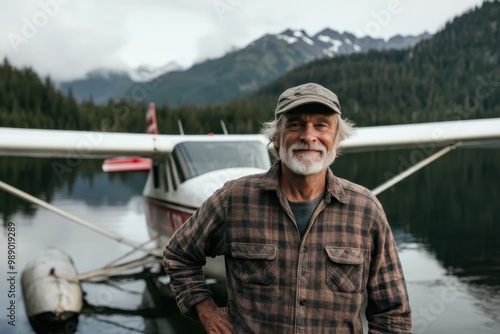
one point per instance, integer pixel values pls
(196, 158)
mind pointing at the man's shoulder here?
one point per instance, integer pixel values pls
(355, 191)
(247, 181)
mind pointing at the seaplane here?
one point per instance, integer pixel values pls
(184, 170)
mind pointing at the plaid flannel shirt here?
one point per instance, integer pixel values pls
(280, 283)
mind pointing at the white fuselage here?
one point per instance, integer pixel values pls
(167, 210)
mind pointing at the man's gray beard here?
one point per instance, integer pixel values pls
(305, 165)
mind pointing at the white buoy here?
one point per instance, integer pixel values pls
(52, 294)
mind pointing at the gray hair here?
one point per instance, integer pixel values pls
(272, 129)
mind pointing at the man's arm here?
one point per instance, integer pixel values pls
(388, 309)
(185, 254)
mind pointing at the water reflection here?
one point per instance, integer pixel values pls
(451, 216)
(42, 178)
(445, 220)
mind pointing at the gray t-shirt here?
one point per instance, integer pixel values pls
(303, 212)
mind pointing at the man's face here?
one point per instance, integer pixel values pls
(307, 142)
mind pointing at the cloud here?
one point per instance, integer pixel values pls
(54, 36)
(68, 38)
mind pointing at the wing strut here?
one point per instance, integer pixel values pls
(404, 174)
(224, 129)
(21, 194)
(112, 263)
(102, 272)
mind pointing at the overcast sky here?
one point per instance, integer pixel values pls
(67, 38)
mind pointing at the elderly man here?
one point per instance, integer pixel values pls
(302, 247)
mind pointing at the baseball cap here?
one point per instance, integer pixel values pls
(304, 94)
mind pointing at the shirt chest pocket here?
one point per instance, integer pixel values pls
(344, 269)
(253, 263)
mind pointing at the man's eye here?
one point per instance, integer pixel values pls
(293, 125)
(322, 126)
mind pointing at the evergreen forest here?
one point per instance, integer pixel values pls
(453, 75)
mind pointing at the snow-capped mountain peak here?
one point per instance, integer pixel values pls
(331, 43)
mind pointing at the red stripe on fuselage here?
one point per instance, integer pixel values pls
(165, 217)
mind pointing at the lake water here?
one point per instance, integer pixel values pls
(445, 218)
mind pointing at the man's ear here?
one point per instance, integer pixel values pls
(276, 142)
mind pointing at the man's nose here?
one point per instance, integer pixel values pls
(308, 134)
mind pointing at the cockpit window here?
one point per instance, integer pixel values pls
(197, 158)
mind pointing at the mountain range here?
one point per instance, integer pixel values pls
(453, 75)
(238, 73)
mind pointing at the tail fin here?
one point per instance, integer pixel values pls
(129, 164)
(151, 125)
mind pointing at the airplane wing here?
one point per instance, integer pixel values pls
(83, 144)
(438, 134)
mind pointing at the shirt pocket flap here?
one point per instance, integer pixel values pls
(345, 255)
(253, 251)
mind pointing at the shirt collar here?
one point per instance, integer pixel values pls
(271, 181)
